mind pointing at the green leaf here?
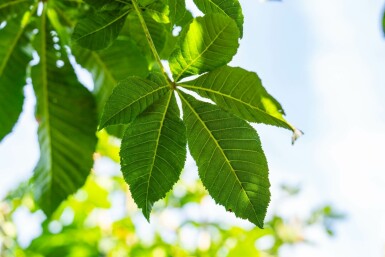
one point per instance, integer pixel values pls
(178, 12)
(14, 58)
(108, 66)
(240, 92)
(230, 8)
(9, 8)
(211, 41)
(67, 124)
(99, 29)
(159, 12)
(157, 31)
(99, 3)
(153, 152)
(230, 159)
(129, 98)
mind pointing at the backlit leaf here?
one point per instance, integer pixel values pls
(240, 92)
(129, 98)
(230, 160)
(211, 41)
(66, 113)
(14, 58)
(99, 29)
(231, 8)
(153, 152)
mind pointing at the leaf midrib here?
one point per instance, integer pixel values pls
(103, 27)
(200, 54)
(235, 99)
(221, 151)
(44, 66)
(156, 147)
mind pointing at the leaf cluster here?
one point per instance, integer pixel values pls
(122, 43)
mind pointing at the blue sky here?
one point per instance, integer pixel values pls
(324, 61)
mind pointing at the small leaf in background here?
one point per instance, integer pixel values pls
(240, 92)
(66, 113)
(100, 28)
(110, 65)
(231, 8)
(210, 42)
(129, 98)
(153, 152)
(14, 58)
(157, 31)
(230, 159)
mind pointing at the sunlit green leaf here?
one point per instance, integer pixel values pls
(231, 8)
(66, 114)
(158, 11)
(179, 15)
(240, 92)
(129, 98)
(230, 160)
(99, 29)
(211, 41)
(153, 152)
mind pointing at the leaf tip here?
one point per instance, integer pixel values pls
(297, 133)
(147, 211)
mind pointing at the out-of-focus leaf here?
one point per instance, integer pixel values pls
(157, 31)
(158, 11)
(12, 8)
(109, 66)
(107, 147)
(14, 58)
(66, 113)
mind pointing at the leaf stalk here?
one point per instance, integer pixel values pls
(151, 43)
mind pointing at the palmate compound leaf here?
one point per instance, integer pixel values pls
(66, 113)
(14, 58)
(230, 8)
(129, 98)
(153, 152)
(210, 42)
(230, 159)
(100, 28)
(240, 92)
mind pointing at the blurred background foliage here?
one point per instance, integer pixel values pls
(101, 219)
